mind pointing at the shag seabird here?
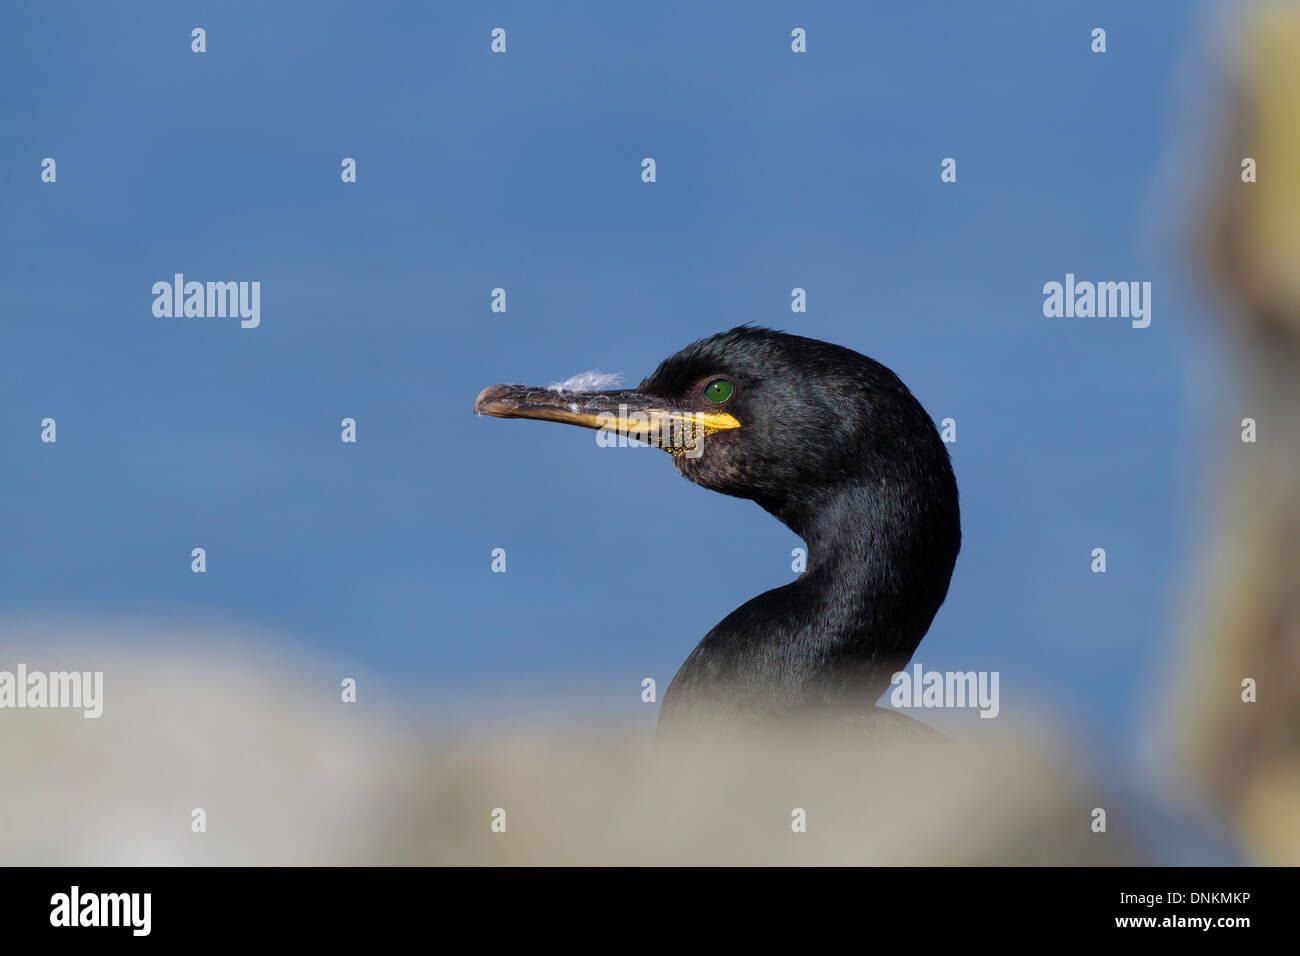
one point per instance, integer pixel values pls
(833, 445)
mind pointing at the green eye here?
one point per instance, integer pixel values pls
(718, 390)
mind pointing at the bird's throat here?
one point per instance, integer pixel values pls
(879, 562)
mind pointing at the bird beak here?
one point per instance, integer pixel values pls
(619, 412)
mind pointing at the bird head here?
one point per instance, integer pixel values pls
(783, 420)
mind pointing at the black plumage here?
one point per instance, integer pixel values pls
(833, 445)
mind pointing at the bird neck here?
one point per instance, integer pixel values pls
(880, 555)
(870, 588)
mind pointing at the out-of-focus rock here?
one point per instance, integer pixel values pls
(1245, 756)
(288, 774)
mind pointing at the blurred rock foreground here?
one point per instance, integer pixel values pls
(1243, 757)
(288, 774)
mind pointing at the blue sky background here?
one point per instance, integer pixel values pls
(775, 170)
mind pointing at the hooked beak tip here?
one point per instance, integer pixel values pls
(494, 400)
